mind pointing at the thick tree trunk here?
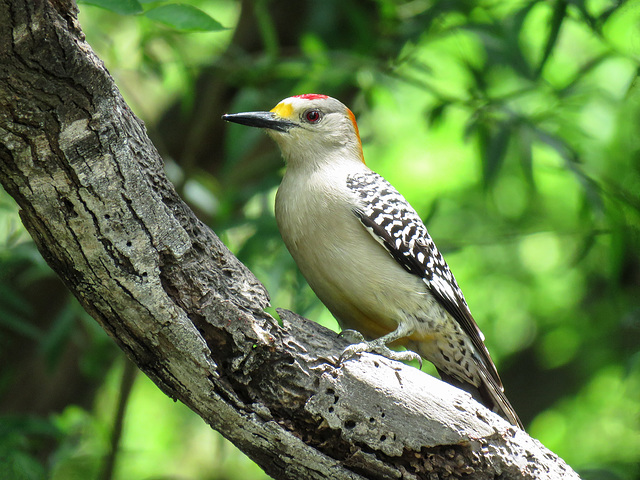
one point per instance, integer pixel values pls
(93, 195)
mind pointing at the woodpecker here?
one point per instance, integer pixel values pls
(365, 251)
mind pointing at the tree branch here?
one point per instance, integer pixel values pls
(94, 197)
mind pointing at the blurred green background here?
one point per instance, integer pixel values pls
(513, 127)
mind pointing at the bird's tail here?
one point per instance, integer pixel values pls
(489, 393)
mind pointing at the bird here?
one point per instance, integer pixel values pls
(366, 253)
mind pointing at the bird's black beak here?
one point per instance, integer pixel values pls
(261, 120)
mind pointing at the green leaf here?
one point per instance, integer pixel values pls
(184, 17)
(494, 142)
(559, 13)
(19, 325)
(435, 115)
(58, 336)
(123, 7)
(526, 153)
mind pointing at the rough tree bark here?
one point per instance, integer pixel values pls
(93, 195)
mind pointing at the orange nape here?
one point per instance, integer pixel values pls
(352, 117)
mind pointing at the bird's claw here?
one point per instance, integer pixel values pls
(372, 347)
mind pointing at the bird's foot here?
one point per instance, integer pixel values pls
(376, 347)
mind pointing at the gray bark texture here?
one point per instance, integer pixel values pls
(93, 195)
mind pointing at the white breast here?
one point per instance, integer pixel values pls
(352, 274)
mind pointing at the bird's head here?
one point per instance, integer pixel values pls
(309, 129)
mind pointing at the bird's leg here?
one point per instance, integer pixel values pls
(379, 345)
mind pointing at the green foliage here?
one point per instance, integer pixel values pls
(20, 439)
(123, 7)
(512, 127)
(179, 16)
(183, 17)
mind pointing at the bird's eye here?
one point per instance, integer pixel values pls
(312, 116)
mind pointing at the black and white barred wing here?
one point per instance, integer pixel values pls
(394, 223)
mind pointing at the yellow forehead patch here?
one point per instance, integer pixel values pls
(283, 110)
